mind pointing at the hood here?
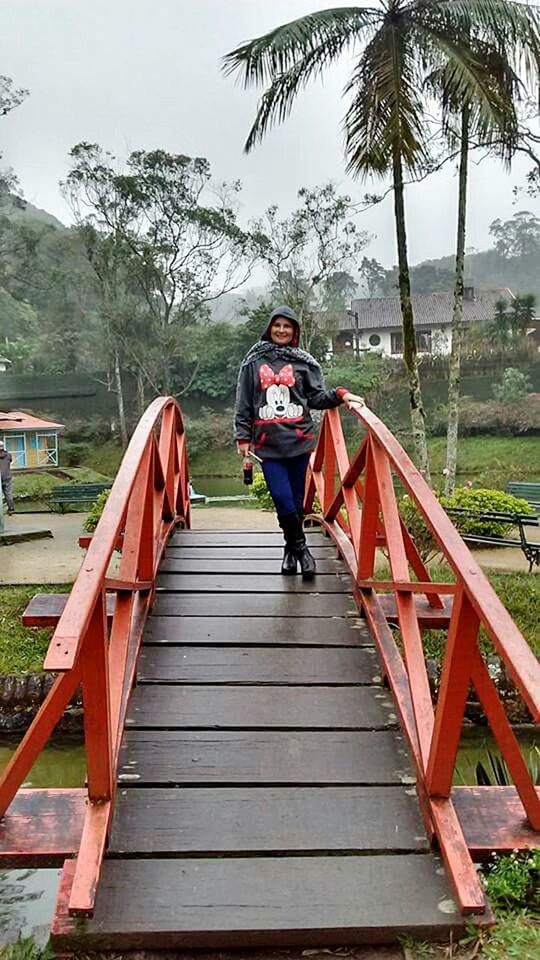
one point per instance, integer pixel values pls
(289, 314)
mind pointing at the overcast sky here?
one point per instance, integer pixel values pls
(131, 74)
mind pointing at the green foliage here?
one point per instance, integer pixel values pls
(94, 514)
(261, 492)
(22, 649)
(209, 431)
(491, 418)
(26, 949)
(514, 881)
(495, 771)
(514, 388)
(366, 377)
(40, 486)
(483, 501)
(518, 592)
(73, 454)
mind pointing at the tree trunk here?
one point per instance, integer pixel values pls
(454, 377)
(120, 401)
(141, 402)
(410, 353)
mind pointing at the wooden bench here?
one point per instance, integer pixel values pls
(527, 491)
(530, 548)
(77, 493)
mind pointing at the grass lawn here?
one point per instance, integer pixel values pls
(22, 649)
(502, 458)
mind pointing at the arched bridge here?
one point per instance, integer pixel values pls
(265, 765)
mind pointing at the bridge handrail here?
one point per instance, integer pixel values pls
(148, 498)
(464, 606)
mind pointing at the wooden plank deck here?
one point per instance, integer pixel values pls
(265, 796)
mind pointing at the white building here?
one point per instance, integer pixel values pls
(374, 324)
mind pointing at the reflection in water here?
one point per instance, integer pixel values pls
(27, 899)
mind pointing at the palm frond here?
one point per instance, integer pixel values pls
(329, 31)
(386, 108)
(513, 27)
(479, 76)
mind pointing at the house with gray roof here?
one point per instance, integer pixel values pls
(374, 324)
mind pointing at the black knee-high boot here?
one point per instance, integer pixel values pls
(289, 525)
(305, 559)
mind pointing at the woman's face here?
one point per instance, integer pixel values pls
(282, 331)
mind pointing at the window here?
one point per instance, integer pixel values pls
(423, 342)
(16, 445)
(375, 340)
(47, 451)
(396, 343)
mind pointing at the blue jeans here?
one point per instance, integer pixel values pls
(286, 480)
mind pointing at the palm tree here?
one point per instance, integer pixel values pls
(509, 42)
(396, 45)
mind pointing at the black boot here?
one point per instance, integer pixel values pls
(289, 524)
(305, 559)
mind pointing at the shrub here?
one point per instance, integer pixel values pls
(261, 492)
(483, 501)
(492, 417)
(72, 454)
(94, 514)
(515, 880)
(475, 501)
(514, 387)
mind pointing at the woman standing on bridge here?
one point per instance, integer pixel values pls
(278, 384)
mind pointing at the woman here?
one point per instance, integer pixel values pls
(277, 385)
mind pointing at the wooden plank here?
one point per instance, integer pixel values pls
(329, 631)
(176, 664)
(253, 605)
(493, 820)
(200, 707)
(429, 618)
(273, 758)
(238, 538)
(243, 553)
(45, 609)
(169, 822)
(245, 583)
(238, 566)
(270, 901)
(42, 827)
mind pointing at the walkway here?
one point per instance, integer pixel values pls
(262, 776)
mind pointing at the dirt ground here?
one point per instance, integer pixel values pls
(57, 559)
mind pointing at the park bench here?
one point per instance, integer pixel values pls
(530, 548)
(527, 491)
(77, 493)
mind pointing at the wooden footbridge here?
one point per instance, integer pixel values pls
(264, 762)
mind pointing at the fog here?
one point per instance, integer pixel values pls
(146, 73)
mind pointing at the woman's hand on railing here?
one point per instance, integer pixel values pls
(350, 399)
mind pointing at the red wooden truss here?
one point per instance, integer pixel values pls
(149, 497)
(360, 511)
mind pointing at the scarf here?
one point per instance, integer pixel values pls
(265, 350)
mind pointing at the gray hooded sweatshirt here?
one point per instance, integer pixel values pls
(277, 386)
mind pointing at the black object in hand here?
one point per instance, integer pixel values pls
(247, 467)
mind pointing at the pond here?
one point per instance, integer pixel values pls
(27, 897)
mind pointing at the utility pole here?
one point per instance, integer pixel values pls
(353, 314)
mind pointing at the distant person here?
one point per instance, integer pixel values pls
(6, 477)
(278, 384)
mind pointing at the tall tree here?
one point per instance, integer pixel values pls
(180, 234)
(504, 39)
(398, 44)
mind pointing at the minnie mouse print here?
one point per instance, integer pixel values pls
(278, 404)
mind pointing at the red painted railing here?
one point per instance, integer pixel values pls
(149, 497)
(360, 511)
